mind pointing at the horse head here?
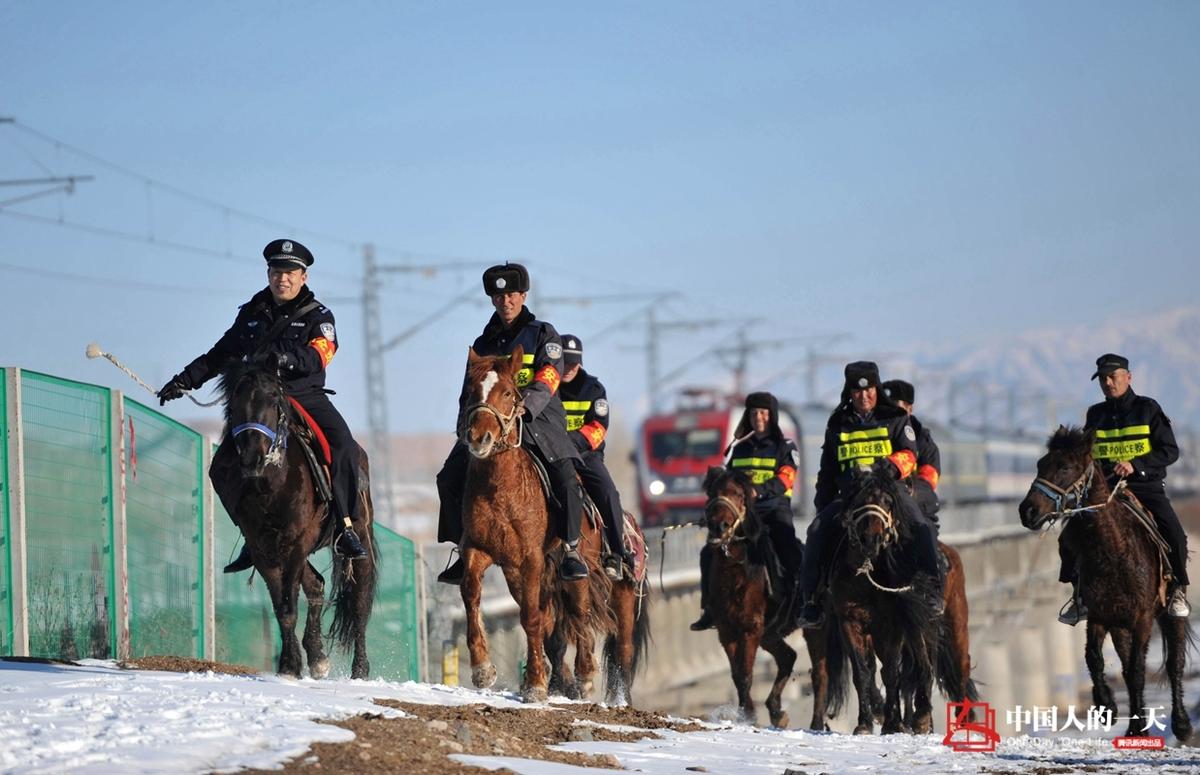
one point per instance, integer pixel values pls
(730, 497)
(493, 403)
(1064, 478)
(873, 516)
(255, 414)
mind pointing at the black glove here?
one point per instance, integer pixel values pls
(886, 467)
(178, 385)
(286, 362)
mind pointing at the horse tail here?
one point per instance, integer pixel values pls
(568, 616)
(836, 662)
(949, 674)
(641, 633)
(1178, 641)
(355, 581)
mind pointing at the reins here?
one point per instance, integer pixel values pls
(507, 423)
(1073, 496)
(890, 535)
(278, 435)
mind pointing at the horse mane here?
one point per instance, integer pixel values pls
(236, 372)
(1070, 439)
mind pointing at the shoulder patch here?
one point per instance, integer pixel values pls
(909, 433)
(327, 332)
(553, 350)
(600, 405)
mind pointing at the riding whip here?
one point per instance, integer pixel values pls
(94, 351)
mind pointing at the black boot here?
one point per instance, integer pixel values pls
(347, 544)
(572, 567)
(705, 622)
(454, 573)
(811, 617)
(612, 566)
(244, 560)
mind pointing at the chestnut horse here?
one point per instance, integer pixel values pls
(746, 615)
(881, 608)
(266, 485)
(1120, 573)
(507, 522)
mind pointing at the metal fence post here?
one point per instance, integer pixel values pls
(208, 541)
(16, 511)
(120, 531)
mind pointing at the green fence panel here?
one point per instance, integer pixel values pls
(164, 534)
(392, 637)
(68, 509)
(246, 630)
(6, 569)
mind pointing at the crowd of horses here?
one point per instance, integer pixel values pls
(877, 611)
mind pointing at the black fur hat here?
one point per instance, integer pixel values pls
(762, 400)
(899, 390)
(505, 278)
(859, 374)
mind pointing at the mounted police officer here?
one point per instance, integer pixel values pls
(868, 431)
(286, 322)
(929, 458)
(586, 403)
(544, 431)
(760, 450)
(1134, 442)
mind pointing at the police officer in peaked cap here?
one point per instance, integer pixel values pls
(303, 350)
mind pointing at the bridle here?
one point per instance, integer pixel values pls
(729, 534)
(507, 423)
(890, 536)
(1069, 500)
(277, 435)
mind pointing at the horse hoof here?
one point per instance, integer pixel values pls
(484, 675)
(534, 694)
(320, 669)
(585, 689)
(782, 721)
(863, 729)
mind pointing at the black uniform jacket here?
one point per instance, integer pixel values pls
(545, 423)
(852, 441)
(310, 339)
(586, 403)
(771, 462)
(1133, 428)
(929, 457)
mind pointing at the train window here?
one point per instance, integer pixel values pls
(696, 443)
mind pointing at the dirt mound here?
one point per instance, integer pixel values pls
(184, 665)
(424, 742)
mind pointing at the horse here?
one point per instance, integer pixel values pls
(880, 605)
(267, 487)
(745, 613)
(507, 522)
(1120, 574)
(624, 649)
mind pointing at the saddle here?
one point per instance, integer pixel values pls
(635, 541)
(316, 451)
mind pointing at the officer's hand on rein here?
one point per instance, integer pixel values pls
(285, 362)
(172, 390)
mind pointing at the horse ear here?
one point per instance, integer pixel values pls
(472, 356)
(516, 360)
(711, 476)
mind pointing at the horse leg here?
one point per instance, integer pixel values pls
(1102, 695)
(1174, 632)
(889, 656)
(862, 663)
(919, 699)
(314, 648)
(533, 621)
(819, 675)
(618, 648)
(876, 697)
(483, 672)
(1131, 646)
(785, 659)
(741, 653)
(284, 589)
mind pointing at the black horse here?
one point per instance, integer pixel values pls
(267, 487)
(881, 603)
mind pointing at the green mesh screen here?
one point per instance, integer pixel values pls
(6, 577)
(246, 629)
(68, 507)
(392, 638)
(164, 513)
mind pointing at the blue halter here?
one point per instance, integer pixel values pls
(278, 437)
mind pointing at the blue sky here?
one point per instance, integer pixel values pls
(905, 173)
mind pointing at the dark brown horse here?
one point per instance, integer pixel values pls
(879, 601)
(267, 487)
(506, 522)
(1120, 575)
(746, 615)
(629, 603)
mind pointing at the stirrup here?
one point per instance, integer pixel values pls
(1178, 606)
(811, 617)
(705, 622)
(1073, 611)
(572, 567)
(612, 566)
(243, 561)
(454, 572)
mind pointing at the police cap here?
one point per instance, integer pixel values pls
(287, 254)
(1108, 363)
(572, 350)
(899, 390)
(505, 278)
(861, 374)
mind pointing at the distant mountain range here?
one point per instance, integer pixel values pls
(1163, 349)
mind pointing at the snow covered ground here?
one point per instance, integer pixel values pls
(96, 718)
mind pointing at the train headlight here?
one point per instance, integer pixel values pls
(657, 487)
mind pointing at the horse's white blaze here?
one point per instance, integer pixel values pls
(485, 387)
